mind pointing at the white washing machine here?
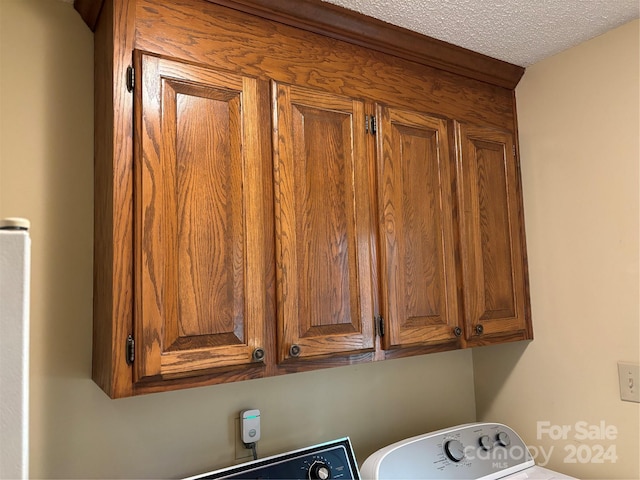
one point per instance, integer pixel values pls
(475, 451)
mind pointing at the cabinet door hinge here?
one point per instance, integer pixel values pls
(380, 325)
(513, 148)
(131, 351)
(131, 78)
(370, 125)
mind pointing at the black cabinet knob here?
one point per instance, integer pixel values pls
(294, 351)
(258, 354)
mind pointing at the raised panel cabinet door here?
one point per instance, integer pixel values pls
(199, 228)
(323, 228)
(492, 234)
(418, 271)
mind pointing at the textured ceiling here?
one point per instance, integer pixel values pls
(521, 32)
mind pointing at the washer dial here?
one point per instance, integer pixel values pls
(503, 439)
(485, 442)
(454, 450)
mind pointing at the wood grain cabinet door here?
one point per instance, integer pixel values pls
(492, 235)
(200, 215)
(323, 228)
(418, 273)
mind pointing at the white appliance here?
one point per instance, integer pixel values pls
(474, 451)
(15, 258)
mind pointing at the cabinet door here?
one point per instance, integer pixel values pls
(492, 234)
(417, 242)
(323, 228)
(200, 209)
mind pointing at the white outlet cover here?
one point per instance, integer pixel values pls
(629, 378)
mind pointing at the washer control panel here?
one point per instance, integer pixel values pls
(331, 460)
(476, 450)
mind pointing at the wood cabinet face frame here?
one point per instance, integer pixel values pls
(214, 40)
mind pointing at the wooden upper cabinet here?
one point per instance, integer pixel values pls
(248, 223)
(323, 224)
(199, 227)
(492, 235)
(418, 271)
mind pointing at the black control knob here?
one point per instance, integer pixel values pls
(454, 450)
(503, 439)
(319, 471)
(485, 442)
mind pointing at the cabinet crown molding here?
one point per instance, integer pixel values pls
(339, 23)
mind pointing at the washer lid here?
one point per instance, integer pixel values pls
(537, 473)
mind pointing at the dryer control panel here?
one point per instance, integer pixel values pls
(331, 460)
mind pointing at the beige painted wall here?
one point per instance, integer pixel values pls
(579, 134)
(46, 174)
(579, 144)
